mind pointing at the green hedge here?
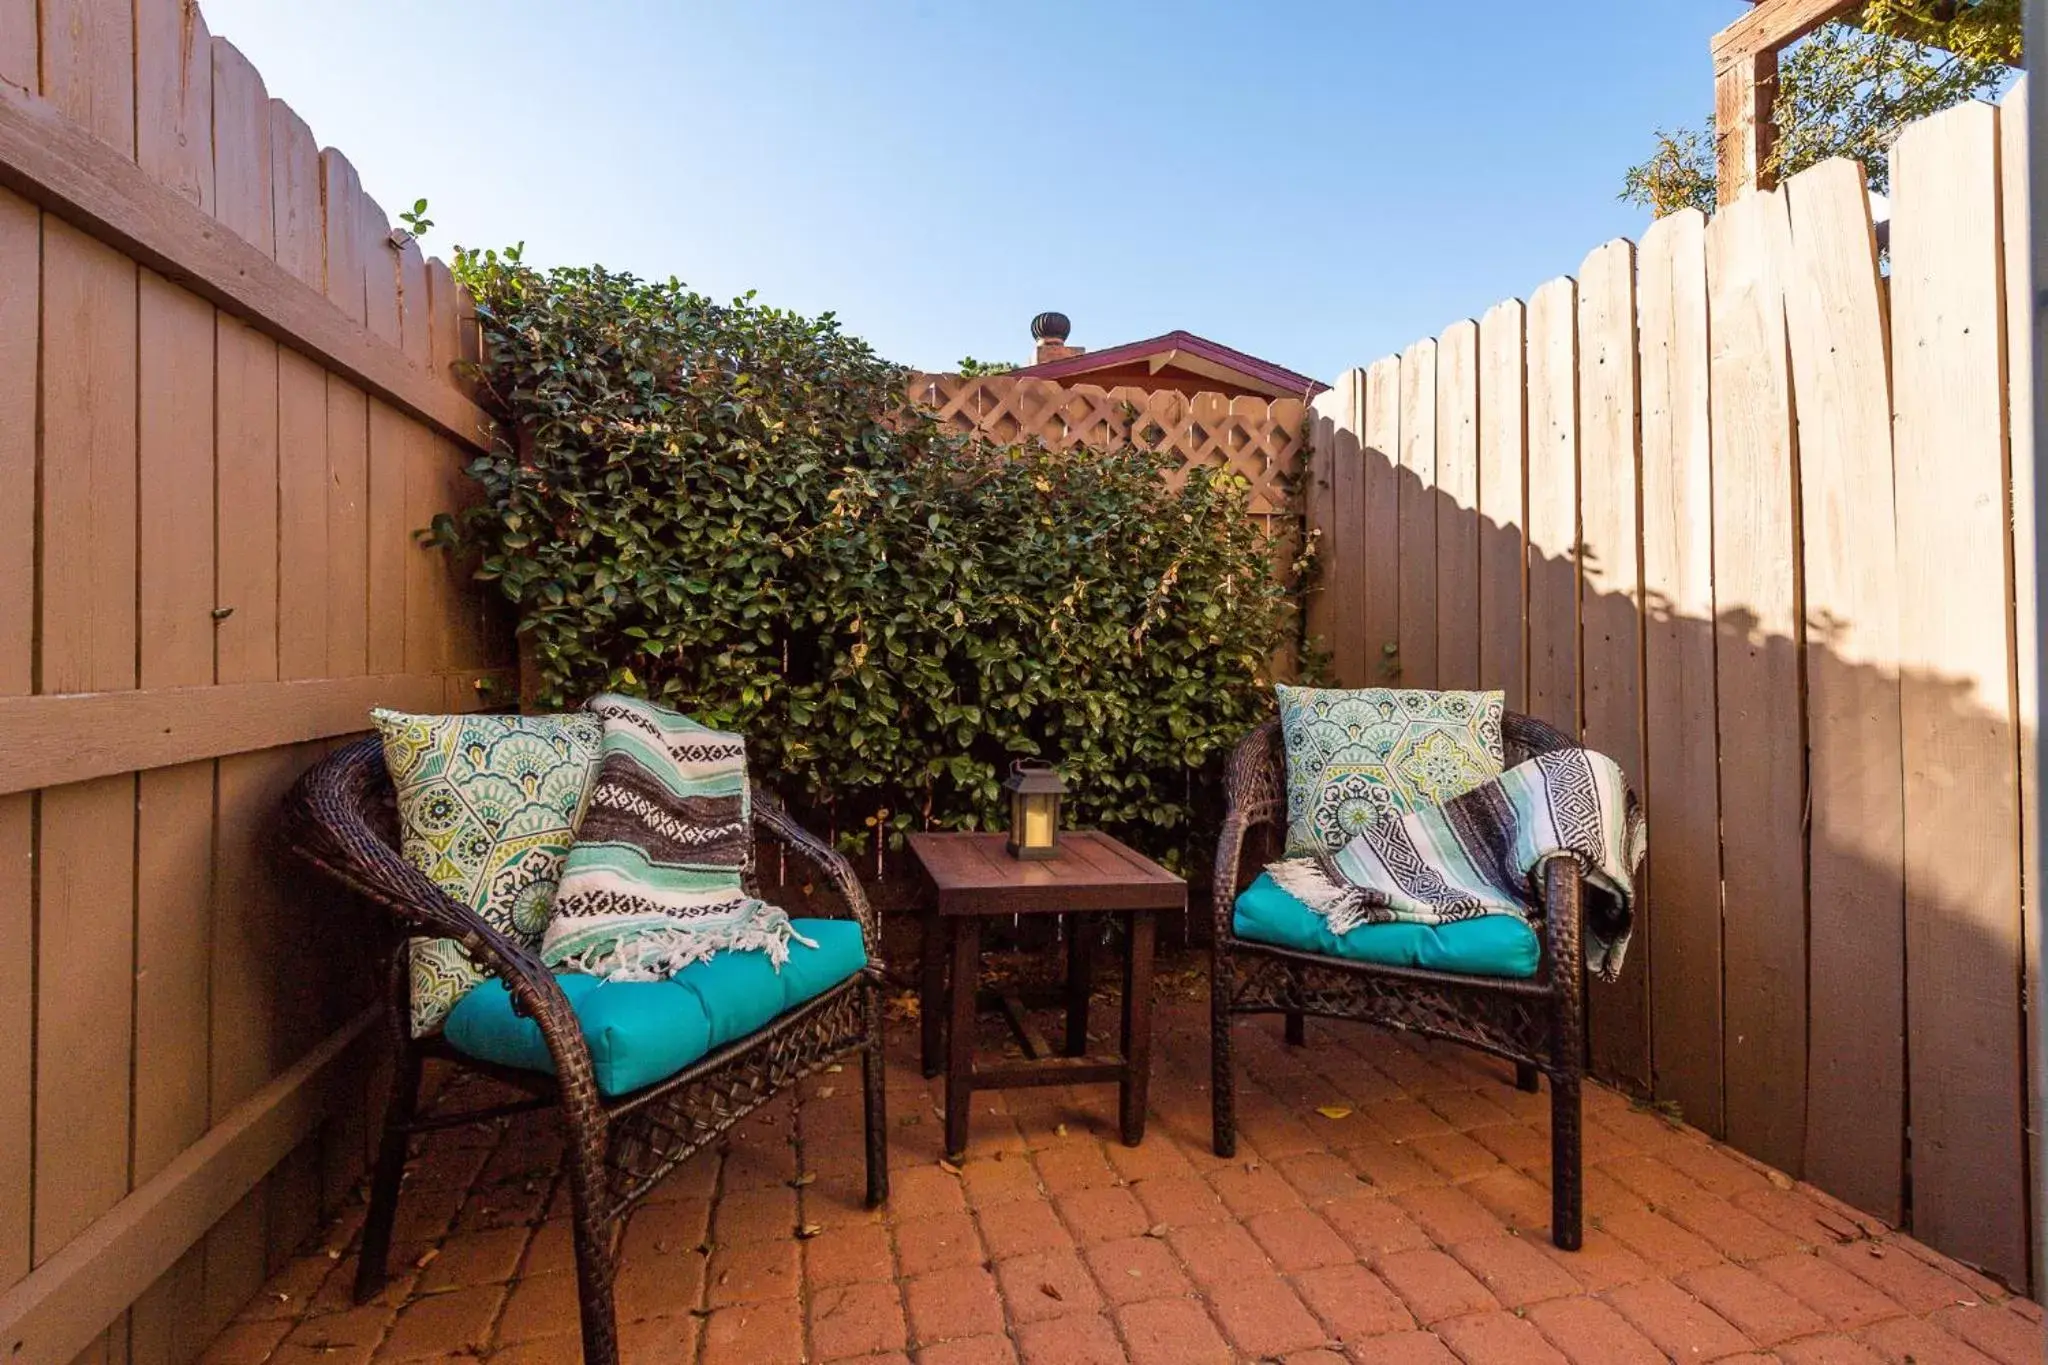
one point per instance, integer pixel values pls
(726, 508)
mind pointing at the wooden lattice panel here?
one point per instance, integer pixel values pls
(1249, 436)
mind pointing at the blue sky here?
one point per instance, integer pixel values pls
(1314, 183)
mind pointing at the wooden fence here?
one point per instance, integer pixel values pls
(1261, 440)
(1736, 506)
(225, 405)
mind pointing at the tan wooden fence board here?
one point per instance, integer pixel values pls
(1380, 448)
(2015, 206)
(1681, 791)
(1611, 604)
(1503, 504)
(1835, 315)
(1553, 506)
(20, 307)
(1757, 684)
(1961, 800)
(1416, 491)
(1457, 507)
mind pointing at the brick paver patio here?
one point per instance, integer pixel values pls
(1413, 1228)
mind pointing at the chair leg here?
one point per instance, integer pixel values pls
(1566, 1195)
(1297, 1028)
(592, 1238)
(1222, 1077)
(874, 1092)
(371, 1264)
(1526, 1078)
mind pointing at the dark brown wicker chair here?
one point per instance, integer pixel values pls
(340, 817)
(1536, 1023)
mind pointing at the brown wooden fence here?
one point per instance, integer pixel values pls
(225, 405)
(1258, 439)
(1738, 509)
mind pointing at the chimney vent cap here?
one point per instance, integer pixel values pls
(1051, 327)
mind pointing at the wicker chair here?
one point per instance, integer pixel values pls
(341, 818)
(1537, 1023)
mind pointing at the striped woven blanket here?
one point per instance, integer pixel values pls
(1482, 853)
(656, 877)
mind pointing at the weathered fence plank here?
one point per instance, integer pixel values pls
(1503, 504)
(1961, 791)
(86, 854)
(1681, 783)
(20, 307)
(1856, 1054)
(1381, 446)
(1457, 507)
(1553, 507)
(1611, 604)
(1416, 492)
(1758, 684)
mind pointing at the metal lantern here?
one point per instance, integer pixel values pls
(1035, 791)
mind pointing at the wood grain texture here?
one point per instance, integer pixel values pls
(1503, 503)
(85, 867)
(1381, 448)
(347, 561)
(1348, 562)
(2015, 206)
(88, 415)
(46, 158)
(1963, 950)
(303, 597)
(20, 305)
(88, 67)
(297, 217)
(1553, 506)
(1611, 604)
(1834, 309)
(1319, 515)
(174, 98)
(1758, 684)
(163, 727)
(241, 148)
(18, 46)
(246, 501)
(1457, 508)
(72, 1296)
(1415, 489)
(174, 852)
(1682, 782)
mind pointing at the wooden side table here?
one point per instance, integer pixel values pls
(971, 878)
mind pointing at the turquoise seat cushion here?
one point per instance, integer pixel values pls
(1491, 945)
(641, 1032)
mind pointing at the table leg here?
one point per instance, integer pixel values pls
(1137, 1027)
(931, 990)
(966, 935)
(1080, 981)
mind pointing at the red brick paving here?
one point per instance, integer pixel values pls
(1412, 1231)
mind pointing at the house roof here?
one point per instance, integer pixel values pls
(1191, 356)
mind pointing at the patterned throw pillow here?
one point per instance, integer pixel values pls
(1353, 754)
(487, 808)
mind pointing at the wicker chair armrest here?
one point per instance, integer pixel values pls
(327, 824)
(772, 818)
(1562, 891)
(1254, 795)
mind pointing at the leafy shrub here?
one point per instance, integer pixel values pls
(726, 508)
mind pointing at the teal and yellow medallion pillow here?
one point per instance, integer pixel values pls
(1354, 753)
(487, 808)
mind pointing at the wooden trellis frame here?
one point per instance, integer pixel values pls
(1746, 86)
